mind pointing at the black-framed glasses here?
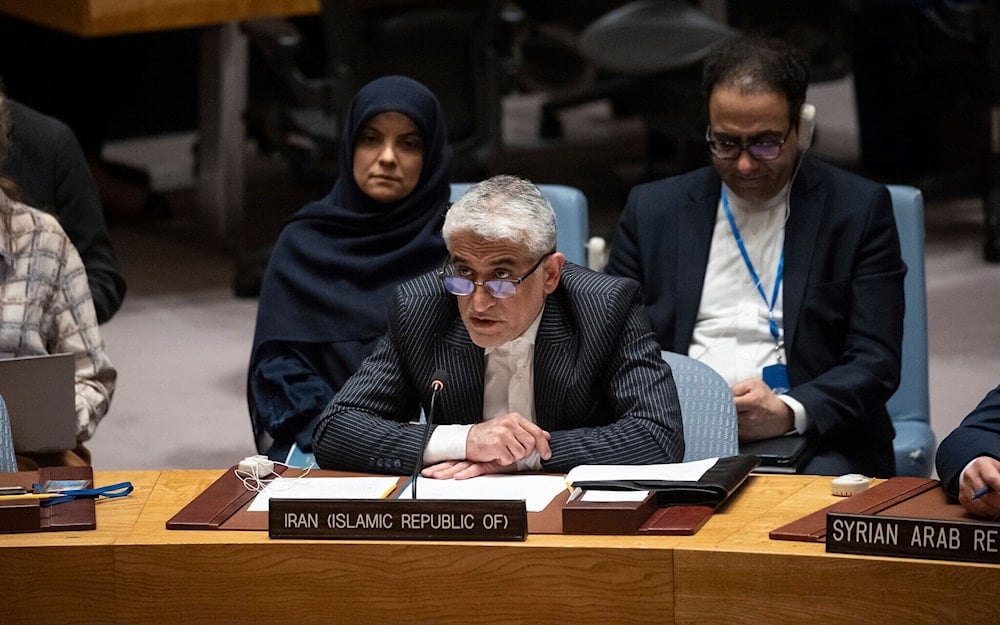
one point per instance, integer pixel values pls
(758, 150)
(500, 289)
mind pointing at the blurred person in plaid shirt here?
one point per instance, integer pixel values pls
(46, 307)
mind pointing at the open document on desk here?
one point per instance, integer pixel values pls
(622, 474)
(323, 488)
(537, 491)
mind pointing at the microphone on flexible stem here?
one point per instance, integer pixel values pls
(438, 380)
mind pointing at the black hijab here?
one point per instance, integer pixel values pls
(337, 260)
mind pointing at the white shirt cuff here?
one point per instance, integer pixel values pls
(533, 462)
(447, 443)
(964, 469)
(799, 412)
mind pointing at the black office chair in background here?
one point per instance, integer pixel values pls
(448, 46)
(648, 56)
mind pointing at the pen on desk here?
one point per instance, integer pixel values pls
(31, 496)
(388, 491)
(979, 493)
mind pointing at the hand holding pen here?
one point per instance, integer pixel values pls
(979, 493)
(977, 487)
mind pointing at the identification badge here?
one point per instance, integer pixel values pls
(776, 377)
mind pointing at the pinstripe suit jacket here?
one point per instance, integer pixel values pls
(601, 387)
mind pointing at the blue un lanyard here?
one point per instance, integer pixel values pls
(772, 324)
(120, 489)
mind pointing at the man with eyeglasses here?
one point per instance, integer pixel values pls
(780, 271)
(550, 365)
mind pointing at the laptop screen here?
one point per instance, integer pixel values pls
(40, 396)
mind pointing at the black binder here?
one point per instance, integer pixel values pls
(714, 487)
(782, 454)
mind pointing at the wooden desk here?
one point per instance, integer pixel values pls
(730, 572)
(68, 577)
(222, 73)
(133, 570)
(546, 580)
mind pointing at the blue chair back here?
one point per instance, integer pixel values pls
(572, 218)
(8, 462)
(909, 407)
(707, 409)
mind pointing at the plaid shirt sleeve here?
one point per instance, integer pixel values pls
(46, 306)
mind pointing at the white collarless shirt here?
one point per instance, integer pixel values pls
(508, 386)
(732, 329)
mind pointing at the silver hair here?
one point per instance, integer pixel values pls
(504, 208)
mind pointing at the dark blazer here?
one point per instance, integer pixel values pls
(48, 165)
(601, 388)
(842, 293)
(977, 435)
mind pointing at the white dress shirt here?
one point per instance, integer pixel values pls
(509, 386)
(731, 332)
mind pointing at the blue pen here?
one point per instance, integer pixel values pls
(979, 493)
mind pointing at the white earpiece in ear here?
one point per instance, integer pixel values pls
(807, 124)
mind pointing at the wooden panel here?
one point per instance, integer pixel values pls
(713, 587)
(68, 577)
(69, 16)
(729, 572)
(547, 579)
(96, 18)
(71, 585)
(378, 583)
(734, 573)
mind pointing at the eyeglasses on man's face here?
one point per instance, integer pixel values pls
(500, 288)
(761, 150)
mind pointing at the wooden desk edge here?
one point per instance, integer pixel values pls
(99, 18)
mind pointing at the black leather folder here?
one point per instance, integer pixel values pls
(714, 487)
(782, 454)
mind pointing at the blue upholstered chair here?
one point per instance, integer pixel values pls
(8, 462)
(707, 408)
(572, 223)
(298, 458)
(909, 407)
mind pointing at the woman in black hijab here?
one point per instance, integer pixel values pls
(333, 269)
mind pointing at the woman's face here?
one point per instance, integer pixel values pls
(388, 157)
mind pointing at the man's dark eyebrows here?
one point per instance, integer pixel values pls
(766, 135)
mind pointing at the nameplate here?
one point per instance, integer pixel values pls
(397, 519)
(962, 540)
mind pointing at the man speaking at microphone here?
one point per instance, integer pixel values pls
(549, 365)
